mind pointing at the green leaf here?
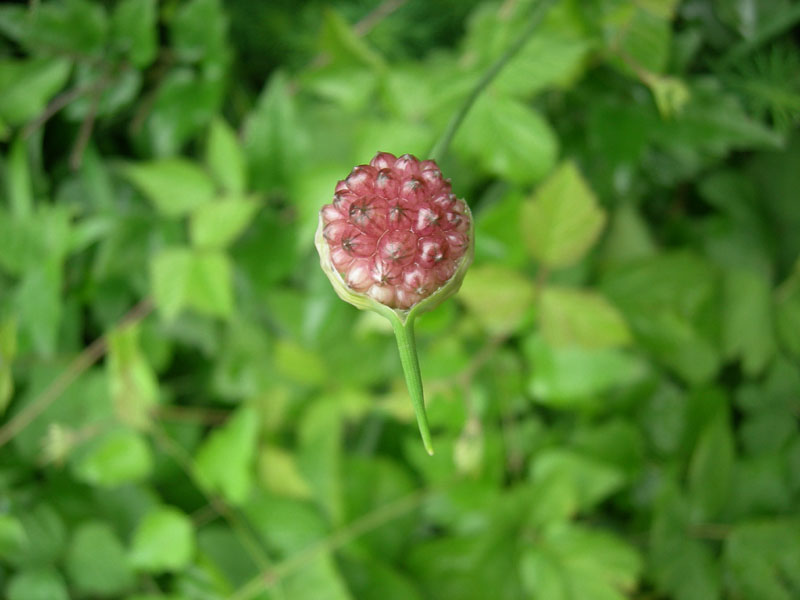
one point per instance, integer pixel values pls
(320, 454)
(119, 457)
(581, 318)
(761, 559)
(498, 297)
(369, 577)
(198, 31)
(218, 224)
(12, 536)
(45, 536)
(225, 461)
(20, 190)
(175, 186)
(186, 102)
(133, 31)
(553, 378)
(83, 405)
(271, 137)
(369, 485)
(575, 562)
(96, 561)
(747, 319)
(225, 158)
(683, 566)
(641, 38)
(70, 27)
(342, 44)
(8, 350)
(163, 541)
(563, 220)
(184, 279)
(787, 314)
(671, 304)
(287, 524)
(134, 387)
(711, 469)
(712, 123)
(499, 243)
(280, 474)
(39, 308)
(37, 584)
(589, 481)
(548, 60)
(28, 85)
(508, 139)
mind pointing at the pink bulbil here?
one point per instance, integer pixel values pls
(395, 230)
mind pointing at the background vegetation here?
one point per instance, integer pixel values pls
(190, 413)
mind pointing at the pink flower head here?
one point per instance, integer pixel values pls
(395, 231)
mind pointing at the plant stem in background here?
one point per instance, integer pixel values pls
(441, 147)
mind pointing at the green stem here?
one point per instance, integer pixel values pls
(407, 346)
(439, 150)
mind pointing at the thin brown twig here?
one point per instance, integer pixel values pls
(365, 25)
(89, 356)
(54, 106)
(87, 126)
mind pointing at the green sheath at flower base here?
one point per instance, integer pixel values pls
(397, 241)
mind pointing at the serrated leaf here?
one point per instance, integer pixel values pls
(498, 297)
(225, 158)
(96, 561)
(581, 318)
(562, 220)
(508, 138)
(225, 461)
(175, 186)
(216, 225)
(163, 541)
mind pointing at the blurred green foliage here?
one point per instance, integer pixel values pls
(614, 394)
